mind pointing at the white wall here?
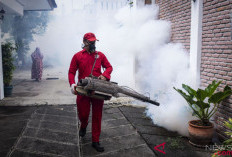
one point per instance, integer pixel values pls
(196, 39)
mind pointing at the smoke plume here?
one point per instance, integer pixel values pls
(137, 45)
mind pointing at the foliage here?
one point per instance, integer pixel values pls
(228, 125)
(130, 3)
(175, 143)
(200, 101)
(23, 28)
(7, 62)
(227, 142)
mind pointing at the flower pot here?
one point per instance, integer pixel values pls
(200, 135)
(8, 90)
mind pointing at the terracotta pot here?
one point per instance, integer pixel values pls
(200, 135)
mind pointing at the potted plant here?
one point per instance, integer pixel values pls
(8, 67)
(226, 150)
(204, 104)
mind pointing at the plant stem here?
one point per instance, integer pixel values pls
(213, 111)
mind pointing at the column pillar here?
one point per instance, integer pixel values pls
(1, 70)
(196, 40)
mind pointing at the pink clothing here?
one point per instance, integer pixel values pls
(37, 64)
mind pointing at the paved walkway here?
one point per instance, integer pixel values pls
(51, 131)
(118, 136)
(39, 131)
(53, 89)
(40, 120)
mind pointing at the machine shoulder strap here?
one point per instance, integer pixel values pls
(96, 57)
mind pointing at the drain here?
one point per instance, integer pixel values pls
(52, 78)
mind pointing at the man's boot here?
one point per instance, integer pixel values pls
(82, 132)
(97, 146)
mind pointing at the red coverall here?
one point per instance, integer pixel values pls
(83, 62)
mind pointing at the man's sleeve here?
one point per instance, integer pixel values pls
(72, 70)
(108, 68)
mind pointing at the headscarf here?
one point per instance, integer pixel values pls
(37, 54)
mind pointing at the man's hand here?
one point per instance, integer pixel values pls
(73, 89)
(101, 77)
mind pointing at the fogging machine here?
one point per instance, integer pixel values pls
(105, 90)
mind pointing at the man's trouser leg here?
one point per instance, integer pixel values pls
(83, 109)
(97, 106)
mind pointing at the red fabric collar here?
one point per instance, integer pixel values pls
(84, 51)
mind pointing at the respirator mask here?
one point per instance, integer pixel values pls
(92, 47)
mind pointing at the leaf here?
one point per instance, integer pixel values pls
(202, 105)
(227, 88)
(228, 123)
(228, 142)
(201, 95)
(211, 88)
(191, 91)
(228, 133)
(196, 111)
(188, 98)
(218, 97)
(190, 101)
(230, 120)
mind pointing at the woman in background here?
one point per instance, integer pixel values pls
(37, 65)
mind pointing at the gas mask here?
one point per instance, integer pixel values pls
(92, 47)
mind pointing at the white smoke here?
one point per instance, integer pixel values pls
(169, 69)
(161, 65)
(128, 35)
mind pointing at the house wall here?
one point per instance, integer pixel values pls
(216, 49)
(178, 12)
(216, 60)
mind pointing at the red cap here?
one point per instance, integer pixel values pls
(90, 37)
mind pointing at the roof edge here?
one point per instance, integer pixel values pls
(52, 3)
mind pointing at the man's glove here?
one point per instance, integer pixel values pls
(73, 89)
(101, 77)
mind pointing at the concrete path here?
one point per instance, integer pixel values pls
(126, 131)
(40, 120)
(51, 131)
(174, 144)
(39, 131)
(53, 89)
(118, 137)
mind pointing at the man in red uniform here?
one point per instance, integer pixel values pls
(83, 62)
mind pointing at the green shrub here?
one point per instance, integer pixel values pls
(227, 142)
(7, 62)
